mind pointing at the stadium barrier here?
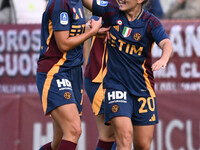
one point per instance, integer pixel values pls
(23, 125)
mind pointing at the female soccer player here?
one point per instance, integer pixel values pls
(130, 100)
(59, 73)
(94, 73)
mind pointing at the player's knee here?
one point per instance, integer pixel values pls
(73, 130)
(76, 131)
(142, 146)
(106, 136)
(125, 137)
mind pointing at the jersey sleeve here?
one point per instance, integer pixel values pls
(107, 9)
(60, 17)
(157, 30)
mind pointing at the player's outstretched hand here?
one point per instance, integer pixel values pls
(159, 64)
(167, 49)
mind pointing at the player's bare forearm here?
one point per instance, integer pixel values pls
(70, 42)
(166, 50)
(66, 43)
(88, 4)
(166, 47)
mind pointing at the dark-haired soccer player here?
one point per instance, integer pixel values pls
(59, 73)
(130, 100)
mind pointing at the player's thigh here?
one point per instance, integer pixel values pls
(143, 135)
(105, 132)
(57, 132)
(67, 116)
(122, 126)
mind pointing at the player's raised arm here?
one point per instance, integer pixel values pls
(65, 42)
(167, 49)
(88, 4)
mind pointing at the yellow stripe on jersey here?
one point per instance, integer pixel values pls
(105, 69)
(148, 84)
(99, 77)
(117, 2)
(98, 99)
(49, 79)
(50, 32)
(93, 39)
(140, 14)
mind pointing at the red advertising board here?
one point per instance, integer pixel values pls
(183, 70)
(9, 122)
(19, 52)
(20, 44)
(23, 125)
(179, 125)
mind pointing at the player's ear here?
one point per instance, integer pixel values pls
(140, 1)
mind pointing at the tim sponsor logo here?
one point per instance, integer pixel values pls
(117, 97)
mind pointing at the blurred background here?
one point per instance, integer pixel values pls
(22, 123)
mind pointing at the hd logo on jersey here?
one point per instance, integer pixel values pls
(117, 97)
(64, 84)
(64, 18)
(102, 3)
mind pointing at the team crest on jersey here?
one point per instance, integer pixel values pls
(115, 108)
(119, 22)
(64, 18)
(126, 31)
(137, 36)
(102, 3)
(67, 95)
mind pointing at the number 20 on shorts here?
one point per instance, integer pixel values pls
(147, 102)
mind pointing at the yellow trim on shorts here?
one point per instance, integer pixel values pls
(81, 113)
(98, 99)
(49, 79)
